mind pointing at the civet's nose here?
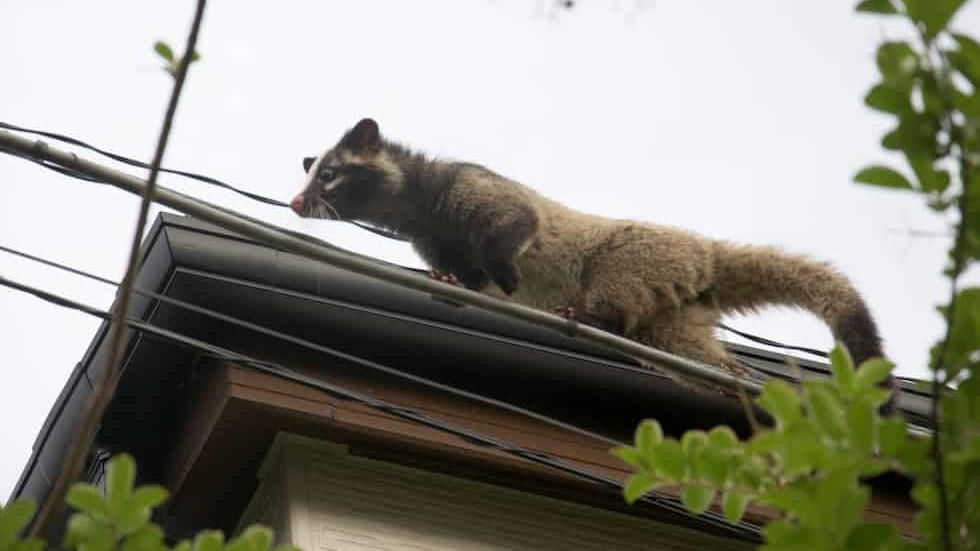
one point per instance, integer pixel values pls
(297, 204)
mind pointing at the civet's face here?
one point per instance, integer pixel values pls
(343, 182)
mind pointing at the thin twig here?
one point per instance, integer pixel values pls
(958, 266)
(925, 234)
(105, 388)
(938, 365)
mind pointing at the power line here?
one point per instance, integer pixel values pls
(274, 202)
(770, 342)
(238, 322)
(743, 529)
(284, 240)
(191, 175)
(141, 164)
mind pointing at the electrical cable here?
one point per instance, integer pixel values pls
(191, 175)
(743, 528)
(238, 322)
(274, 202)
(141, 164)
(769, 342)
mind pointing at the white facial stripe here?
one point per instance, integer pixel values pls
(333, 183)
(314, 169)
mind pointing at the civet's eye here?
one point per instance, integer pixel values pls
(326, 175)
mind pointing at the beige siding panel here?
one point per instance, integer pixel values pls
(320, 498)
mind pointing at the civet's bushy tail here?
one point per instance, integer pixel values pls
(749, 277)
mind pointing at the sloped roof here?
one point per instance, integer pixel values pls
(496, 356)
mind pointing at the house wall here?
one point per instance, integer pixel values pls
(319, 497)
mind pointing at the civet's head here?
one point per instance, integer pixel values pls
(352, 180)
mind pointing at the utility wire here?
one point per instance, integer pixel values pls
(141, 164)
(191, 175)
(274, 202)
(769, 342)
(743, 529)
(286, 241)
(325, 350)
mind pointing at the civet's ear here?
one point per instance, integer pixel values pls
(364, 137)
(307, 163)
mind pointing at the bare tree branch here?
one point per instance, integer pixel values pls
(105, 388)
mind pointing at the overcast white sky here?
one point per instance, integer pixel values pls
(740, 120)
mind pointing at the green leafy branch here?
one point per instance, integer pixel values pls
(931, 88)
(827, 436)
(119, 520)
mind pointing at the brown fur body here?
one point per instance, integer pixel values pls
(658, 285)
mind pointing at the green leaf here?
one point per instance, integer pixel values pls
(930, 179)
(209, 540)
(898, 64)
(877, 6)
(932, 100)
(733, 505)
(120, 475)
(872, 372)
(753, 473)
(861, 422)
(693, 441)
(967, 59)
(882, 176)
(870, 536)
(826, 411)
(164, 50)
(668, 459)
(697, 499)
(86, 534)
(841, 365)
(631, 456)
(803, 448)
(147, 538)
(782, 535)
(637, 485)
(32, 544)
(765, 442)
(916, 135)
(13, 518)
(840, 499)
(239, 544)
(795, 501)
(129, 521)
(195, 57)
(781, 401)
(889, 99)
(712, 464)
(964, 335)
(648, 435)
(722, 437)
(147, 497)
(915, 456)
(928, 521)
(259, 537)
(891, 436)
(874, 468)
(934, 15)
(968, 104)
(89, 499)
